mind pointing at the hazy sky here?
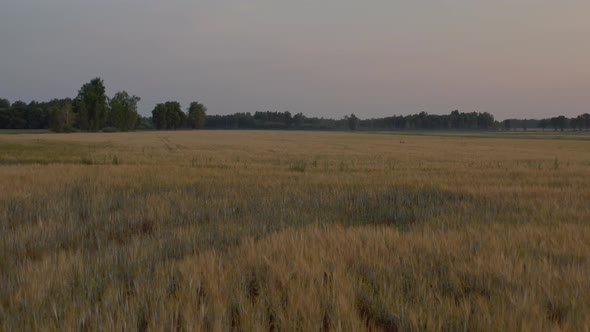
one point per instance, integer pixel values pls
(521, 58)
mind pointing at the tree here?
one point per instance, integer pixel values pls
(36, 115)
(61, 117)
(352, 121)
(543, 124)
(288, 119)
(506, 124)
(197, 115)
(485, 120)
(4, 103)
(17, 115)
(558, 122)
(123, 114)
(553, 123)
(159, 117)
(91, 105)
(577, 123)
(176, 118)
(455, 119)
(586, 119)
(561, 122)
(4, 114)
(299, 119)
(168, 115)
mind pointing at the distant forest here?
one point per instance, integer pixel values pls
(92, 110)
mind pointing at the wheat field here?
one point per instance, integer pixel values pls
(283, 231)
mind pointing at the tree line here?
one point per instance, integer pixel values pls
(455, 120)
(285, 120)
(169, 115)
(92, 110)
(579, 123)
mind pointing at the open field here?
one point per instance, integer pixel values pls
(246, 230)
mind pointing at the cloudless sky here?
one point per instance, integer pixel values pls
(512, 58)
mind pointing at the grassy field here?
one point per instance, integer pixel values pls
(246, 230)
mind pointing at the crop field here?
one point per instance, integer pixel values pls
(282, 231)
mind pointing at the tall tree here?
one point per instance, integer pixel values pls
(123, 113)
(197, 115)
(176, 118)
(91, 105)
(159, 117)
(352, 121)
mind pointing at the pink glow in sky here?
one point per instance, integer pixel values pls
(518, 58)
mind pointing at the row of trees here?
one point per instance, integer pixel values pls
(285, 120)
(169, 115)
(581, 122)
(20, 115)
(268, 120)
(91, 110)
(455, 120)
(424, 121)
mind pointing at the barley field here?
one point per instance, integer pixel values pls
(283, 231)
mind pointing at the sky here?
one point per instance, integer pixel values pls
(512, 58)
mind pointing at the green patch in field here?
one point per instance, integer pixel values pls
(401, 206)
(44, 153)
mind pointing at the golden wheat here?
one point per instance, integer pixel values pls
(248, 230)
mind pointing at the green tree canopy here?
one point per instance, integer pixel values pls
(559, 122)
(197, 115)
(123, 113)
(159, 117)
(168, 115)
(4, 103)
(352, 121)
(91, 105)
